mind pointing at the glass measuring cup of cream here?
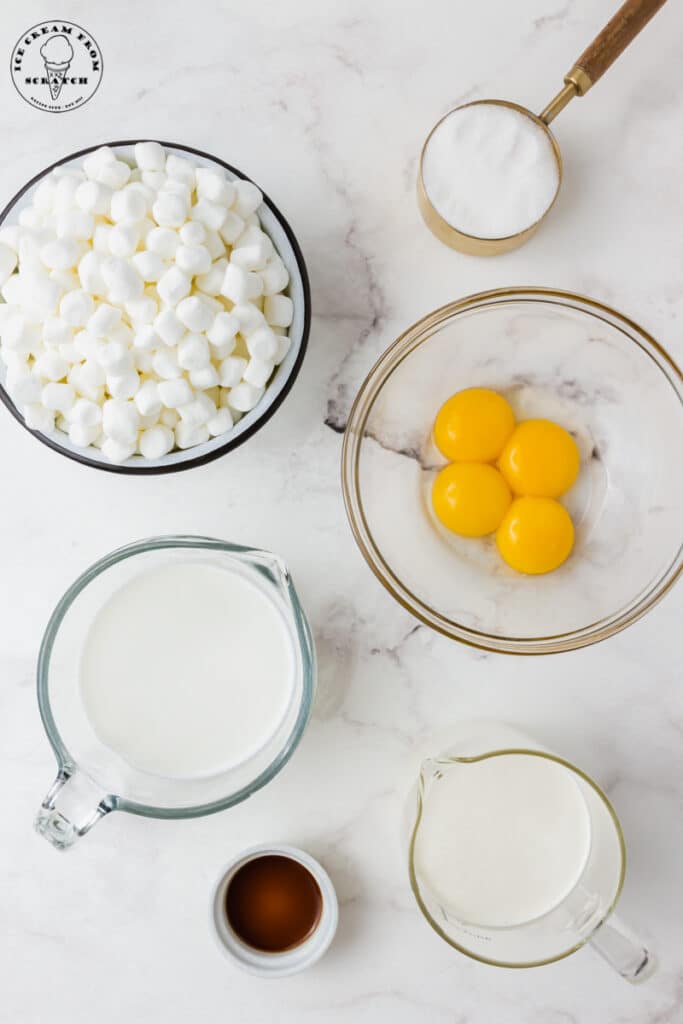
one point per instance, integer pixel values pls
(517, 857)
(175, 678)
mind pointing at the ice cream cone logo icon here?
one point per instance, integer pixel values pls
(56, 66)
(57, 54)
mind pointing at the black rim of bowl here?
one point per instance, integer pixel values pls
(229, 445)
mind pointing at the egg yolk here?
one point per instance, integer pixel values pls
(470, 498)
(473, 426)
(540, 460)
(536, 535)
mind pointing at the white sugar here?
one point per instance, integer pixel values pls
(489, 170)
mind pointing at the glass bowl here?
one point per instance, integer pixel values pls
(282, 236)
(99, 779)
(555, 355)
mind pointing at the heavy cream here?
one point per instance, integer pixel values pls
(504, 840)
(187, 670)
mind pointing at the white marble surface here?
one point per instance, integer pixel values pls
(326, 104)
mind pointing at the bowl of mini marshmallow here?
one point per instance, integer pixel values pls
(155, 307)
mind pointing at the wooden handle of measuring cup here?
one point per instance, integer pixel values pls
(611, 42)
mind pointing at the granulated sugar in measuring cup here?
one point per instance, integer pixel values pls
(491, 170)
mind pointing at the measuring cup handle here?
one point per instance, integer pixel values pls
(616, 944)
(55, 826)
(611, 42)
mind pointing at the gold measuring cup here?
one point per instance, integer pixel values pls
(588, 69)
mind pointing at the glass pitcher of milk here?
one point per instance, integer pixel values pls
(175, 678)
(517, 857)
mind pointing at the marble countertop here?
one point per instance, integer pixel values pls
(326, 104)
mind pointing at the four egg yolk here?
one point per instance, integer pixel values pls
(537, 461)
(540, 460)
(470, 498)
(536, 535)
(473, 426)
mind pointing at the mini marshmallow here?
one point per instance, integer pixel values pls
(215, 244)
(170, 210)
(275, 276)
(117, 451)
(100, 238)
(114, 174)
(10, 235)
(123, 333)
(248, 317)
(248, 198)
(23, 386)
(104, 320)
(193, 259)
(165, 364)
(211, 215)
(41, 295)
(170, 418)
(155, 180)
(82, 435)
(75, 224)
(254, 256)
(213, 185)
(143, 360)
(142, 310)
(60, 254)
(122, 280)
(64, 195)
(98, 159)
(8, 261)
(163, 241)
(56, 331)
(192, 233)
(66, 279)
(116, 358)
(149, 265)
(175, 393)
(58, 397)
(45, 195)
(180, 169)
(50, 365)
(90, 380)
(147, 399)
(76, 308)
(128, 205)
(146, 338)
(120, 420)
(93, 197)
(195, 313)
(169, 328)
(223, 330)
(150, 156)
(278, 310)
(262, 344)
(90, 273)
(187, 436)
(244, 396)
(123, 240)
(85, 412)
(235, 284)
(123, 385)
(231, 371)
(221, 423)
(193, 352)
(258, 372)
(173, 285)
(205, 377)
(12, 290)
(156, 442)
(37, 417)
(212, 282)
(70, 352)
(283, 347)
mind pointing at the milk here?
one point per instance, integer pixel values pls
(187, 670)
(504, 840)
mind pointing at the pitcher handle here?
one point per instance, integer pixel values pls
(617, 944)
(54, 825)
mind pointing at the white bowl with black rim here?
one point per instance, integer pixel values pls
(286, 245)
